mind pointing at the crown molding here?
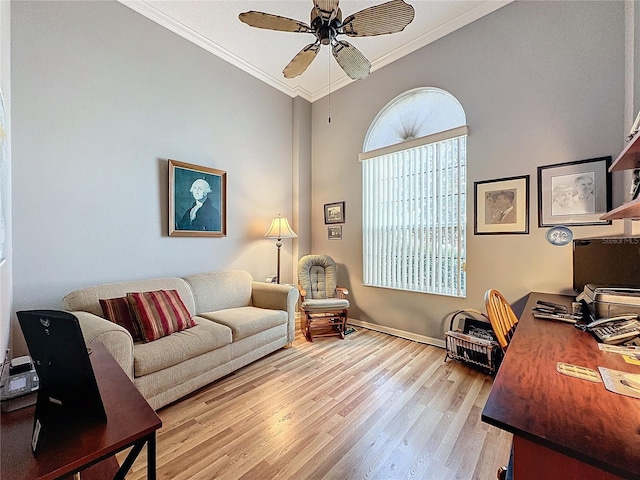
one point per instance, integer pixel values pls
(423, 40)
(194, 37)
(159, 17)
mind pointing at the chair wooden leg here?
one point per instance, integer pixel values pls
(343, 316)
(307, 332)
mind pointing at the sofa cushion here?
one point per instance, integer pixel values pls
(87, 299)
(220, 290)
(159, 313)
(167, 351)
(247, 321)
(117, 310)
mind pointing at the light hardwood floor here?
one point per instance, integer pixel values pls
(371, 406)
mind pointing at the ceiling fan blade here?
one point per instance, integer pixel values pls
(301, 61)
(352, 61)
(390, 17)
(272, 22)
(328, 9)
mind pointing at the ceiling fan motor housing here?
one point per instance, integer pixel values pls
(325, 27)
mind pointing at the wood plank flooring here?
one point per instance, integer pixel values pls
(371, 406)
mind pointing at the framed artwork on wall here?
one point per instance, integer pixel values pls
(197, 200)
(574, 193)
(334, 212)
(501, 206)
(335, 233)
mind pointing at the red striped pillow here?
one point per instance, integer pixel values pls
(159, 313)
(117, 310)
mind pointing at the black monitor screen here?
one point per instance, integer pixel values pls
(613, 261)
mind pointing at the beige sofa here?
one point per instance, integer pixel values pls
(238, 321)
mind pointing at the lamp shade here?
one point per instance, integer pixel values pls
(280, 228)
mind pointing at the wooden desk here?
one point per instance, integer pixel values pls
(563, 427)
(130, 422)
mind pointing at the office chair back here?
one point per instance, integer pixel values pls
(503, 320)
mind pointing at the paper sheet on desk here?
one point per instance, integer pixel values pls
(630, 354)
(622, 350)
(621, 382)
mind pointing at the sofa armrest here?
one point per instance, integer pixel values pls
(115, 338)
(277, 297)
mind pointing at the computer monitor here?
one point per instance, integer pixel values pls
(68, 393)
(611, 261)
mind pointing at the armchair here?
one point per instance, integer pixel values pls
(324, 306)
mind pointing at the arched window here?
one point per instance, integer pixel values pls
(414, 194)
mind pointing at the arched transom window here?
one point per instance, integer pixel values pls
(414, 194)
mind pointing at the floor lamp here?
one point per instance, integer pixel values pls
(280, 229)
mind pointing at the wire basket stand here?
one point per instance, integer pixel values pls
(473, 341)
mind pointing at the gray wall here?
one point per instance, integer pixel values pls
(5, 182)
(102, 98)
(541, 83)
(636, 63)
(301, 177)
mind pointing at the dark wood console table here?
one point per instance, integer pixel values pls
(131, 422)
(563, 427)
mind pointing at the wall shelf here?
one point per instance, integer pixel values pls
(629, 157)
(626, 210)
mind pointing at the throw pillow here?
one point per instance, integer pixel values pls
(117, 310)
(159, 313)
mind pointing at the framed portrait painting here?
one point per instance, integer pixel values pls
(574, 193)
(334, 213)
(197, 200)
(501, 206)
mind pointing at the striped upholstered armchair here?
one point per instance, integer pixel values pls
(324, 305)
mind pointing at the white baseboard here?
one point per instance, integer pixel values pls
(436, 342)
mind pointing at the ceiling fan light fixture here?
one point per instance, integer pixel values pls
(326, 24)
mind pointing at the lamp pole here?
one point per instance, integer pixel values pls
(278, 246)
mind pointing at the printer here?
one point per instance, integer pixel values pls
(604, 301)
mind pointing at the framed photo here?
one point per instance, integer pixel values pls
(197, 201)
(335, 233)
(574, 193)
(334, 212)
(501, 206)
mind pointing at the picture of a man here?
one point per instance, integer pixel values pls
(583, 200)
(500, 207)
(202, 215)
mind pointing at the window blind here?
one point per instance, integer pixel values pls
(414, 217)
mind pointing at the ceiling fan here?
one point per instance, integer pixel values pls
(326, 24)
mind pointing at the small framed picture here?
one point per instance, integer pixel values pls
(501, 206)
(334, 212)
(574, 193)
(197, 201)
(335, 233)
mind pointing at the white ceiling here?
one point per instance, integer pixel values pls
(214, 25)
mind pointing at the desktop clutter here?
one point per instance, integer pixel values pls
(612, 316)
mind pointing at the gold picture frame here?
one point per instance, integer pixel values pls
(197, 201)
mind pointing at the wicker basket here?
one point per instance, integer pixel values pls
(472, 341)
